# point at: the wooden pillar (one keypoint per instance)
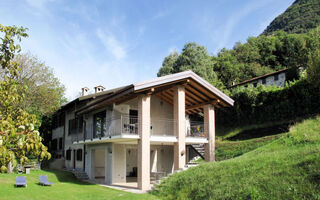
(179, 127)
(209, 128)
(144, 142)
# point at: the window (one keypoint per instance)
(60, 143)
(72, 126)
(68, 152)
(79, 155)
(133, 116)
(54, 144)
(80, 123)
(76, 125)
(99, 121)
(276, 77)
(264, 81)
(58, 120)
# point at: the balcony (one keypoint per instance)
(196, 129)
(124, 125)
(127, 126)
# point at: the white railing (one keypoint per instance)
(128, 125)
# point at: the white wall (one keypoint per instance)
(161, 115)
(91, 161)
(131, 159)
(271, 81)
(99, 163)
(119, 163)
(164, 159)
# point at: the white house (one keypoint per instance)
(277, 78)
(136, 132)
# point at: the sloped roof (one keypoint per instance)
(259, 77)
(198, 92)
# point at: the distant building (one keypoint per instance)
(277, 78)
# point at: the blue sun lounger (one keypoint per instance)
(43, 180)
(21, 181)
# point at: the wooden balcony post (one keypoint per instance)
(210, 132)
(179, 127)
(144, 142)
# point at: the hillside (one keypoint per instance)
(300, 17)
(287, 168)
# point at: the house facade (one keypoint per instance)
(137, 132)
(277, 78)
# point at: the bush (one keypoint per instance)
(270, 104)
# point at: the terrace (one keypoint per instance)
(126, 127)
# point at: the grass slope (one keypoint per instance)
(231, 149)
(65, 187)
(287, 168)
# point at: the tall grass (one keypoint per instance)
(287, 168)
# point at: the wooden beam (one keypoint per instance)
(195, 92)
(150, 91)
(124, 99)
(213, 102)
(190, 99)
(164, 98)
(163, 93)
(194, 97)
(206, 92)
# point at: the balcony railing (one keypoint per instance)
(123, 125)
(128, 125)
(196, 130)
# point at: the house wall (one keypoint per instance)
(67, 139)
(99, 155)
(57, 132)
(164, 159)
(69, 164)
(270, 80)
(119, 163)
(58, 162)
(131, 159)
(99, 163)
(161, 115)
(161, 158)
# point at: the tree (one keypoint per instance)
(313, 69)
(168, 64)
(193, 57)
(19, 138)
(45, 93)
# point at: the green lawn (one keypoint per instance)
(65, 187)
(231, 149)
(286, 168)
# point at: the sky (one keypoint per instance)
(117, 42)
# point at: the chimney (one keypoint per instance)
(85, 91)
(98, 89)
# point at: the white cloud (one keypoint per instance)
(234, 19)
(112, 45)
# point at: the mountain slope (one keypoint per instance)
(288, 168)
(300, 17)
